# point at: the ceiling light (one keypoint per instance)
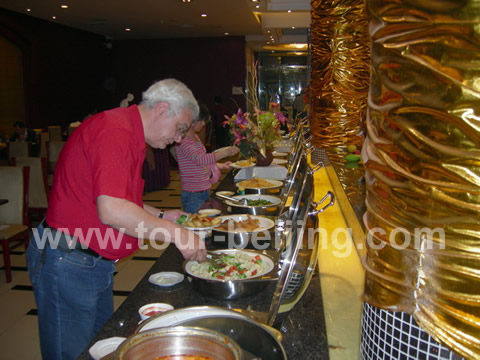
(204, 15)
(257, 6)
(289, 11)
(28, 10)
(293, 27)
(64, 6)
(128, 29)
(54, 17)
(254, 0)
(227, 33)
(186, 1)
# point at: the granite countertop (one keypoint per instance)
(303, 329)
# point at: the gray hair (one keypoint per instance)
(173, 92)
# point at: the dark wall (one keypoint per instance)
(209, 66)
(64, 69)
(69, 72)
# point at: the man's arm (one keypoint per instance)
(124, 214)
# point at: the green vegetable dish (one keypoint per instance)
(259, 202)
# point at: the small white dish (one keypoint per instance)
(104, 347)
(166, 278)
(149, 310)
(225, 193)
(278, 161)
(209, 212)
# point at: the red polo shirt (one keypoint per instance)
(103, 156)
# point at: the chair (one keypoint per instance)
(38, 185)
(15, 226)
(44, 137)
(55, 133)
(18, 148)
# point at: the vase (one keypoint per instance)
(264, 160)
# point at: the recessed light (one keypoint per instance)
(64, 6)
(204, 15)
(257, 6)
(227, 33)
(28, 10)
(293, 27)
(254, 0)
(289, 11)
(186, 1)
(54, 17)
(128, 29)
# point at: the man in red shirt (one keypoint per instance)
(96, 215)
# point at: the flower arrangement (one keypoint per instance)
(257, 132)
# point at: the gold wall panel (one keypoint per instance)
(422, 160)
(340, 72)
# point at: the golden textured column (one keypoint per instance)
(340, 72)
(422, 160)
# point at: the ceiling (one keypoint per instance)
(262, 22)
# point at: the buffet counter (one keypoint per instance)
(303, 328)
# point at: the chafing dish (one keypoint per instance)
(259, 339)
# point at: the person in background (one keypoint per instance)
(299, 104)
(22, 133)
(125, 102)
(219, 111)
(199, 169)
(97, 216)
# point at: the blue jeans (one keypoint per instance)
(192, 201)
(74, 297)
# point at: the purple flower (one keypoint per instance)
(280, 117)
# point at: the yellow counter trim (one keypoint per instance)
(341, 271)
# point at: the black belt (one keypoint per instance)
(64, 246)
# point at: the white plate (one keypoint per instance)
(265, 223)
(276, 153)
(225, 193)
(104, 347)
(209, 212)
(273, 199)
(206, 228)
(223, 148)
(275, 184)
(236, 166)
(279, 161)
(166, 278)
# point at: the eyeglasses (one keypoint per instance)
(182, 130)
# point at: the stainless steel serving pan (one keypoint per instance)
(260, 239)
(233, 289)
(180, 340)
(274, 189)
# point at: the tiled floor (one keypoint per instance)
(18, 320)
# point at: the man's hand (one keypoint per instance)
(190, 245)
(173, 215)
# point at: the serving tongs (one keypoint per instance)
(243, 201)
(216, 260)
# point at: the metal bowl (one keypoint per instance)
(233, 289)
(177, 341)
(270, 209)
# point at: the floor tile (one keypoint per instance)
(21, 340)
